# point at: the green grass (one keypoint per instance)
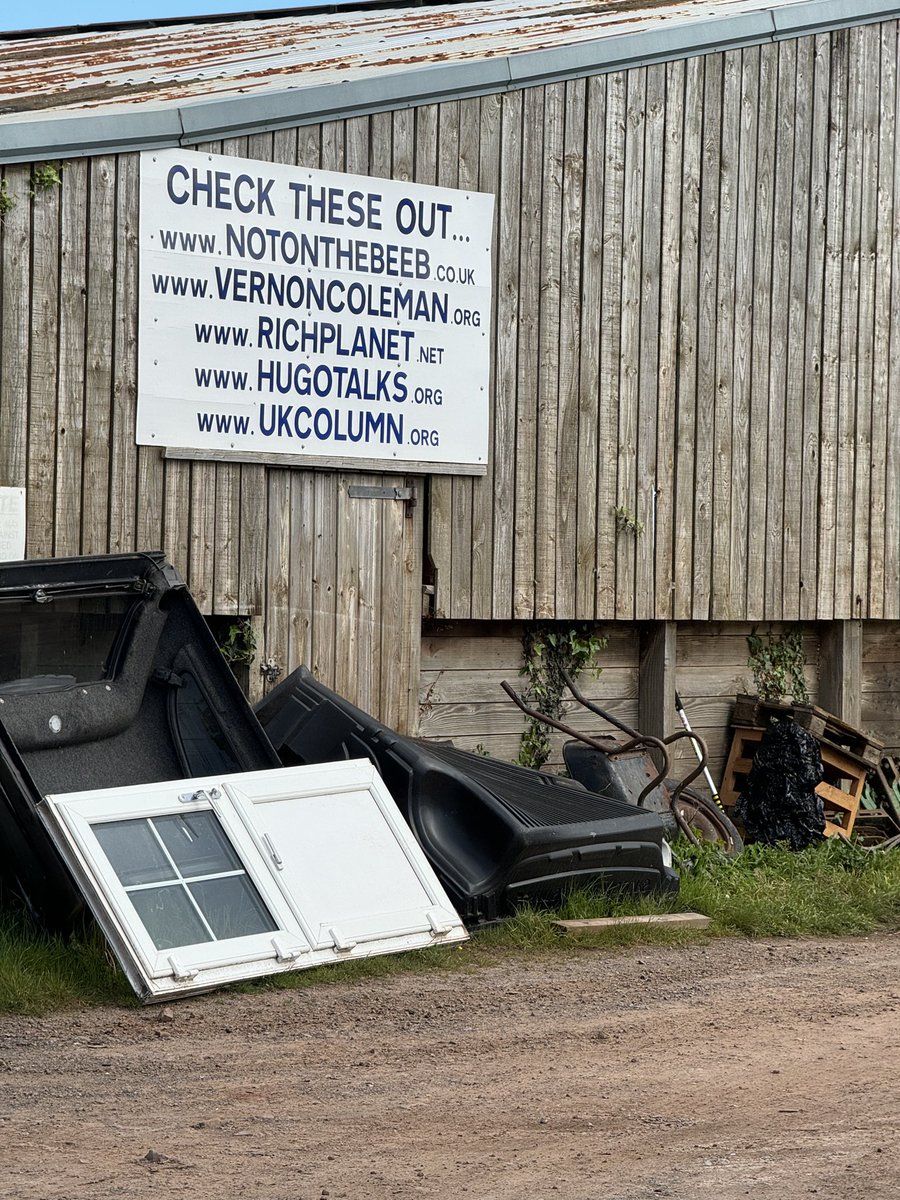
(828, 890)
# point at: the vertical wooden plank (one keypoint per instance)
(569, 496)
(15, 329)
(795, 465)
(545, 481)
(463, 547)
(686, 413)
(631, 338)
(381, 139)
(70, 373)
(177, 514)
(483, 488)
(815, 316)
(253, 549)
(588, 417)
(278, 568)
(324, 564)
(723, 605)
(844, 597)
(883, 527)
(351, 516)
(527, 374)
(410, 655)
(649, 363)
(404, 147)
(98, 358)
(44, 345)
(863, 524)
(300, 568)
(704, 440)
(122, 448)
(610, 342)
(656, 678)
(226, 561)
(443, 534)
(672, 184)
(742, 359)
(309, 146)
(831, 330)
(840, 670)
(506, 307)
(778, 346)
(892, 455)
(356, 145)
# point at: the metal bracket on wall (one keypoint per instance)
(361, 491)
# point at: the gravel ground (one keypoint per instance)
(725, 1069)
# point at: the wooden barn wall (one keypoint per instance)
(881, 681)
(697, 323)
(463, 664)
(334, 582)
(460, 697)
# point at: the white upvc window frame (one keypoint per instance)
(318, 796)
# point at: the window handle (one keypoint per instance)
(276, 857)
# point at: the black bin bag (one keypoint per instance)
(779, 802)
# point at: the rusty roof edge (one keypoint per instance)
(79, 134)
(400, 89)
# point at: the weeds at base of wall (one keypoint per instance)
(828, 890)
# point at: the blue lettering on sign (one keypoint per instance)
(326, 424)
(218, 189)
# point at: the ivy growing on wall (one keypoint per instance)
(548, 650)
(776, 660)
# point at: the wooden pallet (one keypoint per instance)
(751, 712)
(841, 789)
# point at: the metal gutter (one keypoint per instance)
(75, 135)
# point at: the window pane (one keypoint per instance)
(232, 906)
(169, 917)
(197, 843)
(54, 645)
(134, 853)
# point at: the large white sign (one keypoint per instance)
(291, 311)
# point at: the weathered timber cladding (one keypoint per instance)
(697, 323)
(695, 372)
(880, 673)
(330, 580)
(463, 664)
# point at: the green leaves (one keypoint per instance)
(777, 663)
(548, 650)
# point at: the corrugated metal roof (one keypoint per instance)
(268, 71)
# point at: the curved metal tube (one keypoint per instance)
(698, 770)
(636, 740)
(595, 708)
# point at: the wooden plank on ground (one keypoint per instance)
(685, 920)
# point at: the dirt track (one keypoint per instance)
(727, 1069)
